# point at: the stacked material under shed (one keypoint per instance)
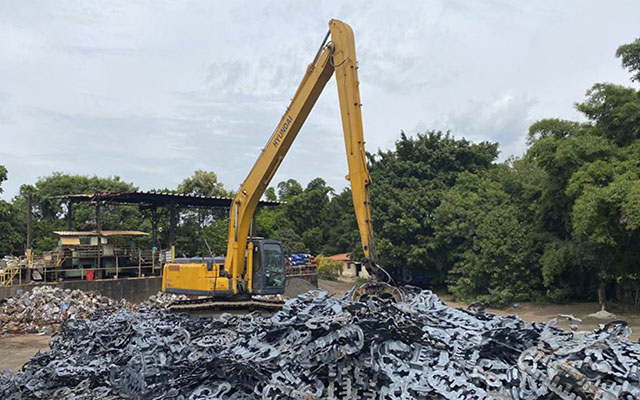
(301, 263)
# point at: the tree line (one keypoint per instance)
(559, 223)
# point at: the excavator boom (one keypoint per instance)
(337, 56)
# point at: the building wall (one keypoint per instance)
(363, 273)
(134, 290)
(348, 270)
(353, 271)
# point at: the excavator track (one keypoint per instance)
(211, 303)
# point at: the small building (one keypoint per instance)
(351, 270)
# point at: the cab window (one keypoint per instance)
(273, 263)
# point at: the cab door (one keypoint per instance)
(268, 267)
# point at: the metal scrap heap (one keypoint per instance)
(45, 308)
(318, 347)
(160, 301)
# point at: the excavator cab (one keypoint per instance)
(268, 273)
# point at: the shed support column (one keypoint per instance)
(154, 226)
(98, 273)
(98, 218)
(29, 211)
(70, 215)
(172, 230)
(29, 228)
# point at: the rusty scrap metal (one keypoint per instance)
(45, 308)
(318, 347)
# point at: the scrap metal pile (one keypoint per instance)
(44, 308)
(160, 300)
(318, 347)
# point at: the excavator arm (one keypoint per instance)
(339, 56)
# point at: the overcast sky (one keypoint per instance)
(153, 90)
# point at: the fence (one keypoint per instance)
(300, 270)
(85, 263)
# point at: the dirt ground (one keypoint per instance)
(536, 313)
(336, 288)
(15, 350)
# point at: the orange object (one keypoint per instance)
(90, 275)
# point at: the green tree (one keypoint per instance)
(3, 176)
(630, 55)
(307, 213)
(10, 237)
(50, 213)
(291, 240)
(272, 223)
(288, 189)
(341, 228)
(202, 183)
(301, 222)
(589, 196)
(614, 111)
(198, 226)
(487, 239)
(270, 194)
(216, 235)
(407, 186)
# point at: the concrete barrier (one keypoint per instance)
(134, 290)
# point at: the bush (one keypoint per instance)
(329, 269)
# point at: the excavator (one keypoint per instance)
(256, 266)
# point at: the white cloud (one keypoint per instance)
(152, 90)
(503, 119)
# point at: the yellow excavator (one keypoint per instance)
(255, 266)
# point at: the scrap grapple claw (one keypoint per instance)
(379, 290)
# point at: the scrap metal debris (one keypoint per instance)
(319, 347)
(44, 308)
(161, 301)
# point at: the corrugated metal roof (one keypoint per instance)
(159, 199)
(340, 257)
(102, 233)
